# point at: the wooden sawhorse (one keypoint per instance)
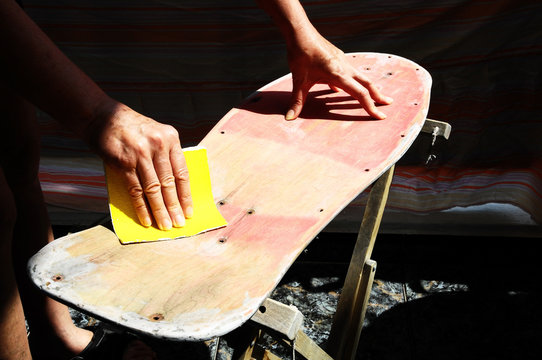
(286, 321)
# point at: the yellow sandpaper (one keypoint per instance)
(206, 215)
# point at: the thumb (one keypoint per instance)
(299, 95)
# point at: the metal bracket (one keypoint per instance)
(437, 128)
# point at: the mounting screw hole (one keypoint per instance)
(367, 170)
(58, 277)
(222, 202)
(251, 211)
(156, 317)
(223, 240)
(262, 309)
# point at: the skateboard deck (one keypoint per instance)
(277, 183)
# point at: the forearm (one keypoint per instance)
(291, 19)
(33, 65)
(147, 154)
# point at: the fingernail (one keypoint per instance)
(179, 220)
(189, 212)
(166, 224)
(290, 115)
(381, 115)
(146, 222)
(388, 99)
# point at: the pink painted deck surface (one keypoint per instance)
(278, 184)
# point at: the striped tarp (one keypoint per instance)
(188, 62)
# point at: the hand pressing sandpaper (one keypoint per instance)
(206, 215)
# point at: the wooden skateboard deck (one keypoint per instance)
(276, 182)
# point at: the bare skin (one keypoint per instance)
(313, 60)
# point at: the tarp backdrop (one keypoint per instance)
(187, 62)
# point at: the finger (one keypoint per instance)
(168, 183)
(182, 180)
(376, 95)
(334, 88)
(362, 94)
(153, 192)
(299, 95)
(138, 198)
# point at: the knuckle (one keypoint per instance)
(171, 132)
(364, 92)
(297, 101)
(174, 208)
(153, 189)
(124, 161)
(168, 182)
(335, 68)
(186, 198)
(140, 147)
(140, 207)
(157, 139)
(135, 192)
(181, 175)
(164, 136)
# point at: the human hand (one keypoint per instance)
(313, 60)
(148, 155)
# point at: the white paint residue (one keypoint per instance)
(44, 266)
(202, 324)
(210, 247)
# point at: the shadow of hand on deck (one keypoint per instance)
(320, 104)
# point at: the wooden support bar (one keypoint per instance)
(308, 348)
(284, 319)
(360, 307)
(346, 325)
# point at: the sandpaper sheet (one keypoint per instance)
(206, 215)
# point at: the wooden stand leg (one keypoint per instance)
(348, 320)
(308, 348)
